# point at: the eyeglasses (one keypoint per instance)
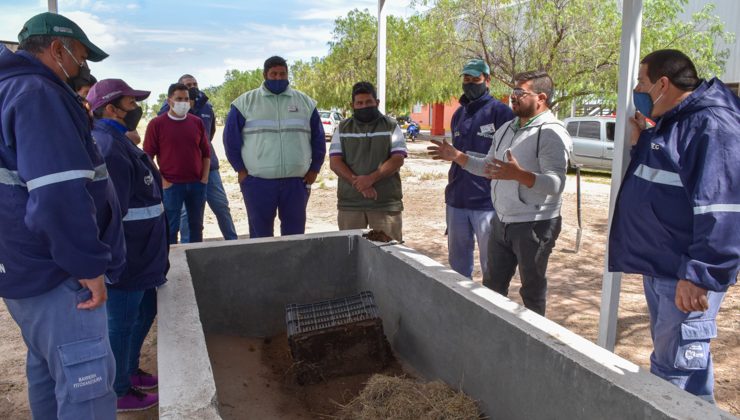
(519, 92)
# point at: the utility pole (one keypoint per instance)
(381, 55)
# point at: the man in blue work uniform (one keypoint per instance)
(132, 302)
(215, 193)
(678, 211)
(274, 139)
(468, 196)
(60, 222)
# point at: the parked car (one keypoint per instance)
(330, 120)
(593, 141)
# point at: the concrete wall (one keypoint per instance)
(517, 364)
(243, 289)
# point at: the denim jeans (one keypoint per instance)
(123, 313)
(681, 353)
(464, 227)
(219, 204)
(147, 313)
(70, 365)
(193, 195)
(527, 245)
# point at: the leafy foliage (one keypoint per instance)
(575, 41)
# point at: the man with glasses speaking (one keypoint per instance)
(526, 165)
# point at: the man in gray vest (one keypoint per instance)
(366, 152)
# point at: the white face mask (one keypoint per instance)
(181, 108)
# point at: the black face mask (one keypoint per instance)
(474, 91)
(132, 118)
(366, 115)
(82, 79)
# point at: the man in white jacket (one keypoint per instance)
(526, 164)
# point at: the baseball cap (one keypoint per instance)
(108, 90)
(475, 68)
(57, 25)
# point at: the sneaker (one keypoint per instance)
(144, 380)
(136, 400)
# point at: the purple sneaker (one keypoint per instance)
(136, 400)
(144, 380)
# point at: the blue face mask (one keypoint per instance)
(643, 102)
(277, 86)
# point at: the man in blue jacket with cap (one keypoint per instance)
(132, 302)
(62, 237)
(469, 207)
(678, 211)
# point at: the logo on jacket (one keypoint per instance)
(487, 130)
(2, 269)
(654, 146)
(457, 134)
(149, 179)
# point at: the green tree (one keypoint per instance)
(418, 68)
(575, 41)
(236, 82)
(154, 109)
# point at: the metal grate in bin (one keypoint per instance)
(302, 318)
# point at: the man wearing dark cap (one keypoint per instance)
(62, 238)
(468, 196)
(275, 140)
(132, 302)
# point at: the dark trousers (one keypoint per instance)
(283, 197)
(528, 245)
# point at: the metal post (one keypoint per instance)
(53, 6)
(381, 55)
(629, 60)
(579, 232)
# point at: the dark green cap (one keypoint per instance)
(57, 25)
(475, 68)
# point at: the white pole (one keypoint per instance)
(53, 6)
(381, 55)
(629, 62)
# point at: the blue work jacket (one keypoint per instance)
(59, 215)
(678, 209)
(138, 186)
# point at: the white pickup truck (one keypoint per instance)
(593, 141)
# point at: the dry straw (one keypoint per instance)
(389, 397)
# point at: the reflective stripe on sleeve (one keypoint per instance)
(100, 173)
(45, 180)
(712, 208)
(658, 176)
(144, 213)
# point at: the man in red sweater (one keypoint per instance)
(179, 142)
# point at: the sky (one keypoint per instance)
(152, 43)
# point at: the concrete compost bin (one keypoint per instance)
(516, 364)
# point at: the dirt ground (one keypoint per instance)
(574, 278)
(255, 379)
